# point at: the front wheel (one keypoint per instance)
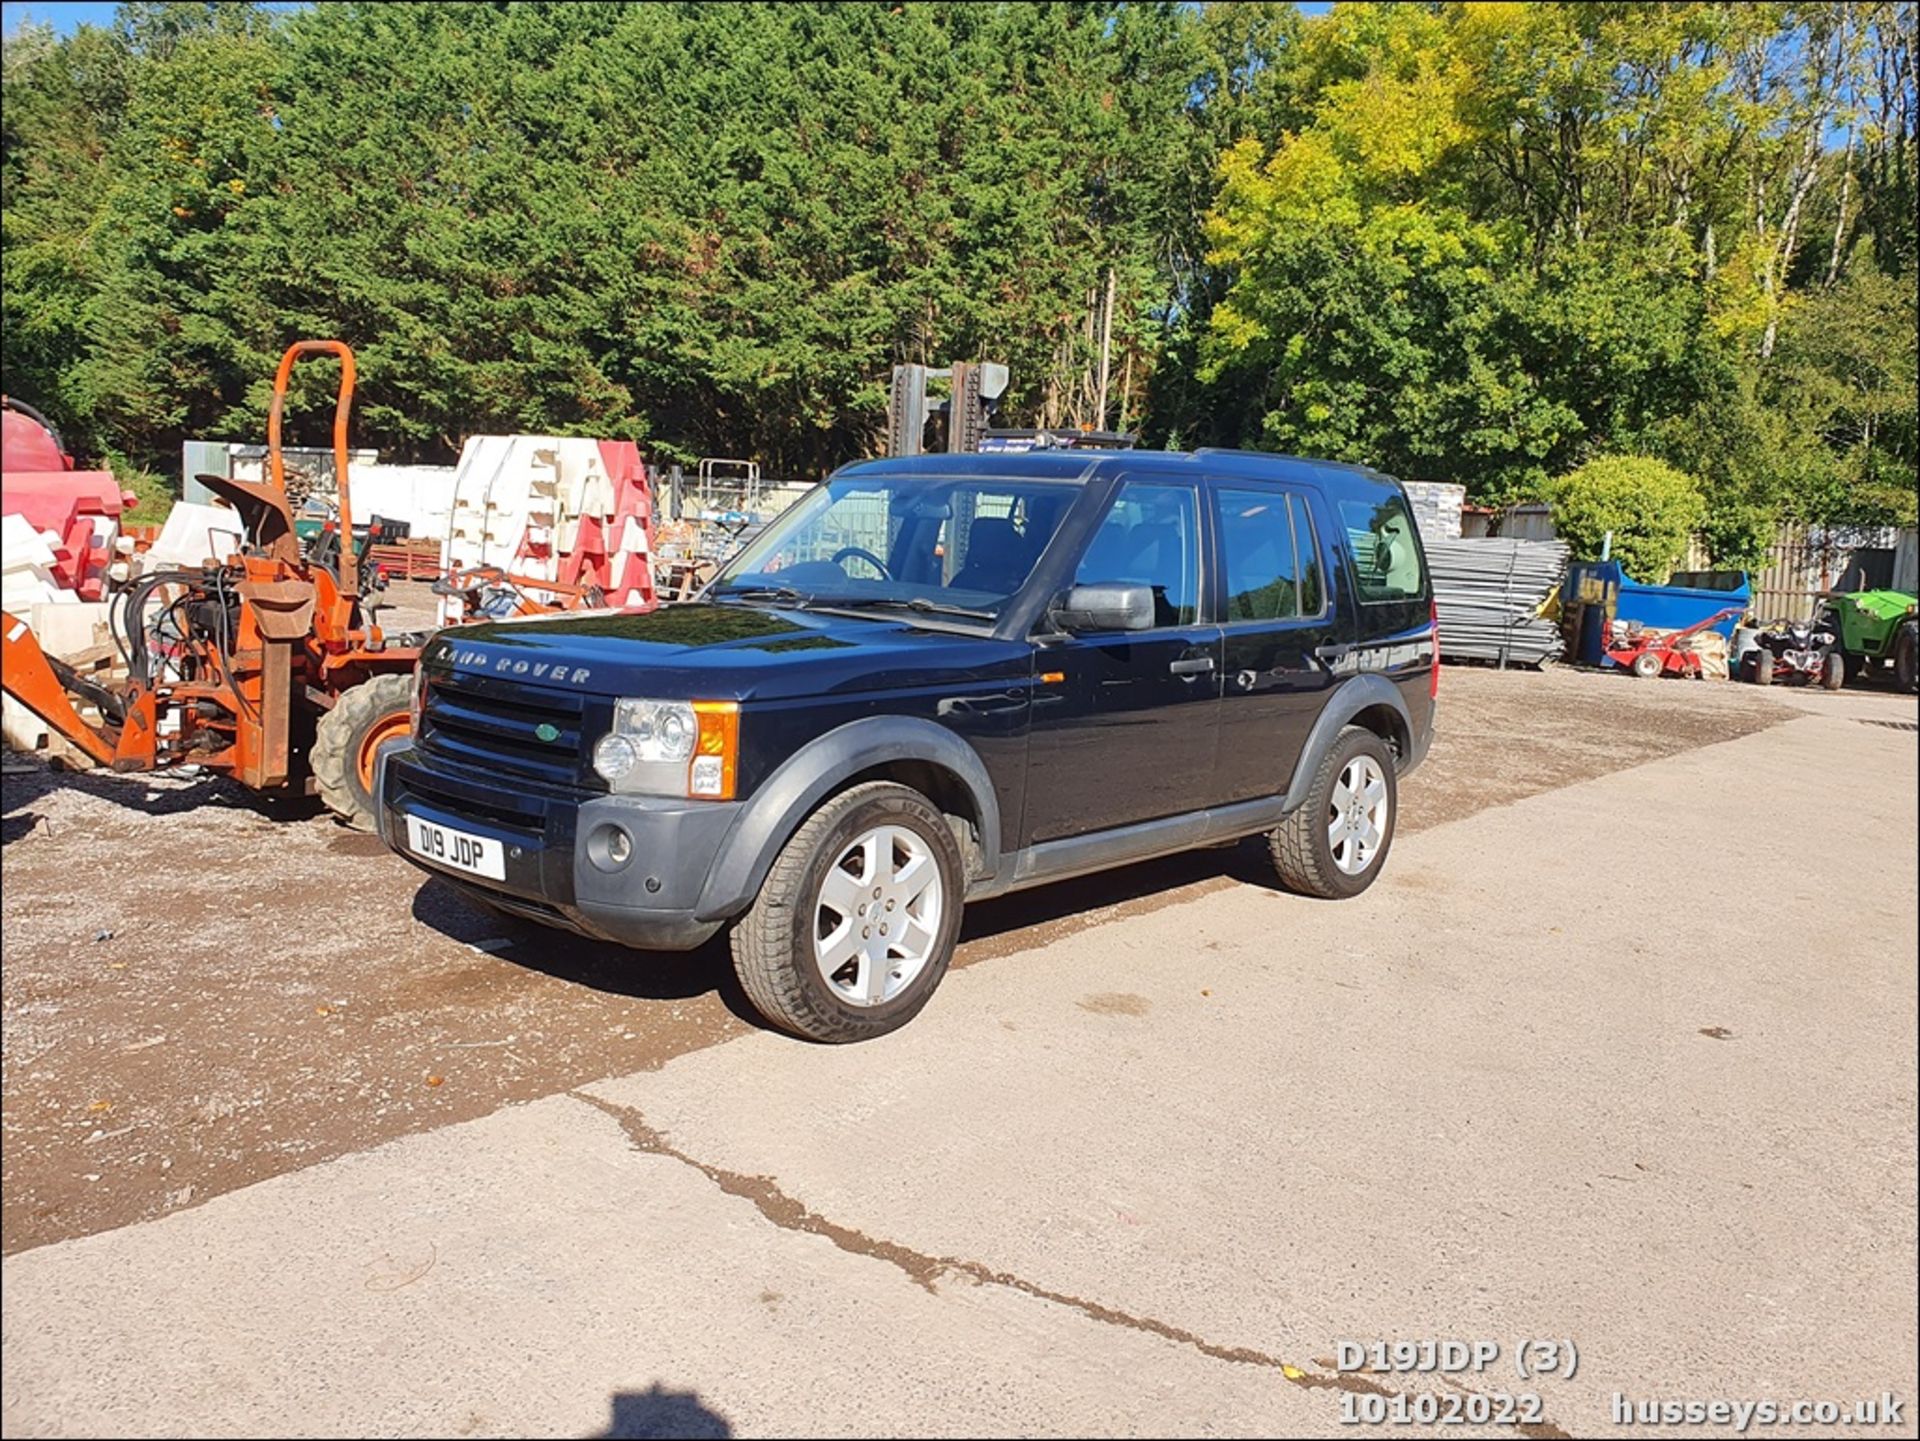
(1763, 667)
(856, 922)
(1648, 664)
(1335, 844)
(1833, 670)
(347, 741)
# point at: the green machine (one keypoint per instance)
(1875, 627)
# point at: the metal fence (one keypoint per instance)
(1802, 563)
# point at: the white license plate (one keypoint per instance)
(445, 846)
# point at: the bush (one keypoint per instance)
(157, 492)
(1650, 507)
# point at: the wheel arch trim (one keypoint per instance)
(1353, 697)
(781, 803)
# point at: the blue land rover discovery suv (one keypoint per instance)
(929, 682)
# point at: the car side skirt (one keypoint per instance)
(1080, 855)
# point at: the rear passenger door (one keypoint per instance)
(1280, 629)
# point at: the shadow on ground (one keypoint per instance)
(603, 966)
(657, 1411)
(990, 928)
(151, 794)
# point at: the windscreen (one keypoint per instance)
(966, 543)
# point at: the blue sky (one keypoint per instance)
(64, 18)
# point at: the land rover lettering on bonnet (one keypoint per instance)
(470, 659)
(930, 682)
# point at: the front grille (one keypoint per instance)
(494, 725)
(501, 808)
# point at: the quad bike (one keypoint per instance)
(1876, 628)
(262, 665)
(1794, 651)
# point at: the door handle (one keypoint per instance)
(1192, 665)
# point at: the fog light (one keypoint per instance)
(614, 757)
(609, 848)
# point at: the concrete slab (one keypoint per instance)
(1626, 1063)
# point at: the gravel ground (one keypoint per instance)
(202, 991)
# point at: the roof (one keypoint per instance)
(1086, 464)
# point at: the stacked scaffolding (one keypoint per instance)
(1491, 594)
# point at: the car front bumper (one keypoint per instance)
(558, 867)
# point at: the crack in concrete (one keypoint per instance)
(790, 1213)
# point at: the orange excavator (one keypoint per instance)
(260, 665)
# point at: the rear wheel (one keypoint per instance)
(1334, 845)
(1904, 660)
(856, 922)
(1763, 667)
(347, 741)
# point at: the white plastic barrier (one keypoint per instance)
(26, 567)
(195, 534)
(511, 490)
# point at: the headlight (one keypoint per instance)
(659, 730)
(671, 748)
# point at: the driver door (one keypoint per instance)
(1127, 733)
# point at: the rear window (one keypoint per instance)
(1386, 556)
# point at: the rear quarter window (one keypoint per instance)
(1386, 553)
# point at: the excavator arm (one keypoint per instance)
(30, 678)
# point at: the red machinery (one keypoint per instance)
(81, 507)
(260, 665)
(1648, 656)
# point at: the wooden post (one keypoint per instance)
(1106, 342)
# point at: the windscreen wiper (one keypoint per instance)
(797, 598)
(918, 603)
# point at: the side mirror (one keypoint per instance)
(1111, 605)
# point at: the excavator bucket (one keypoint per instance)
(30, 679)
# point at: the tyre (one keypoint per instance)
(1904, 659)
(349, 736)
(1336, 843)
(1833, 670)
(1648, 664)
(856, 922)
(1763, 667)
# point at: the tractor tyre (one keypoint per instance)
(1833, 670)
(349, 737)
(1763, 667)
(1904, 660)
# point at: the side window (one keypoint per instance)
(1272, 566)
(1307, 547)
(1386, 557)
(1151, 536)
